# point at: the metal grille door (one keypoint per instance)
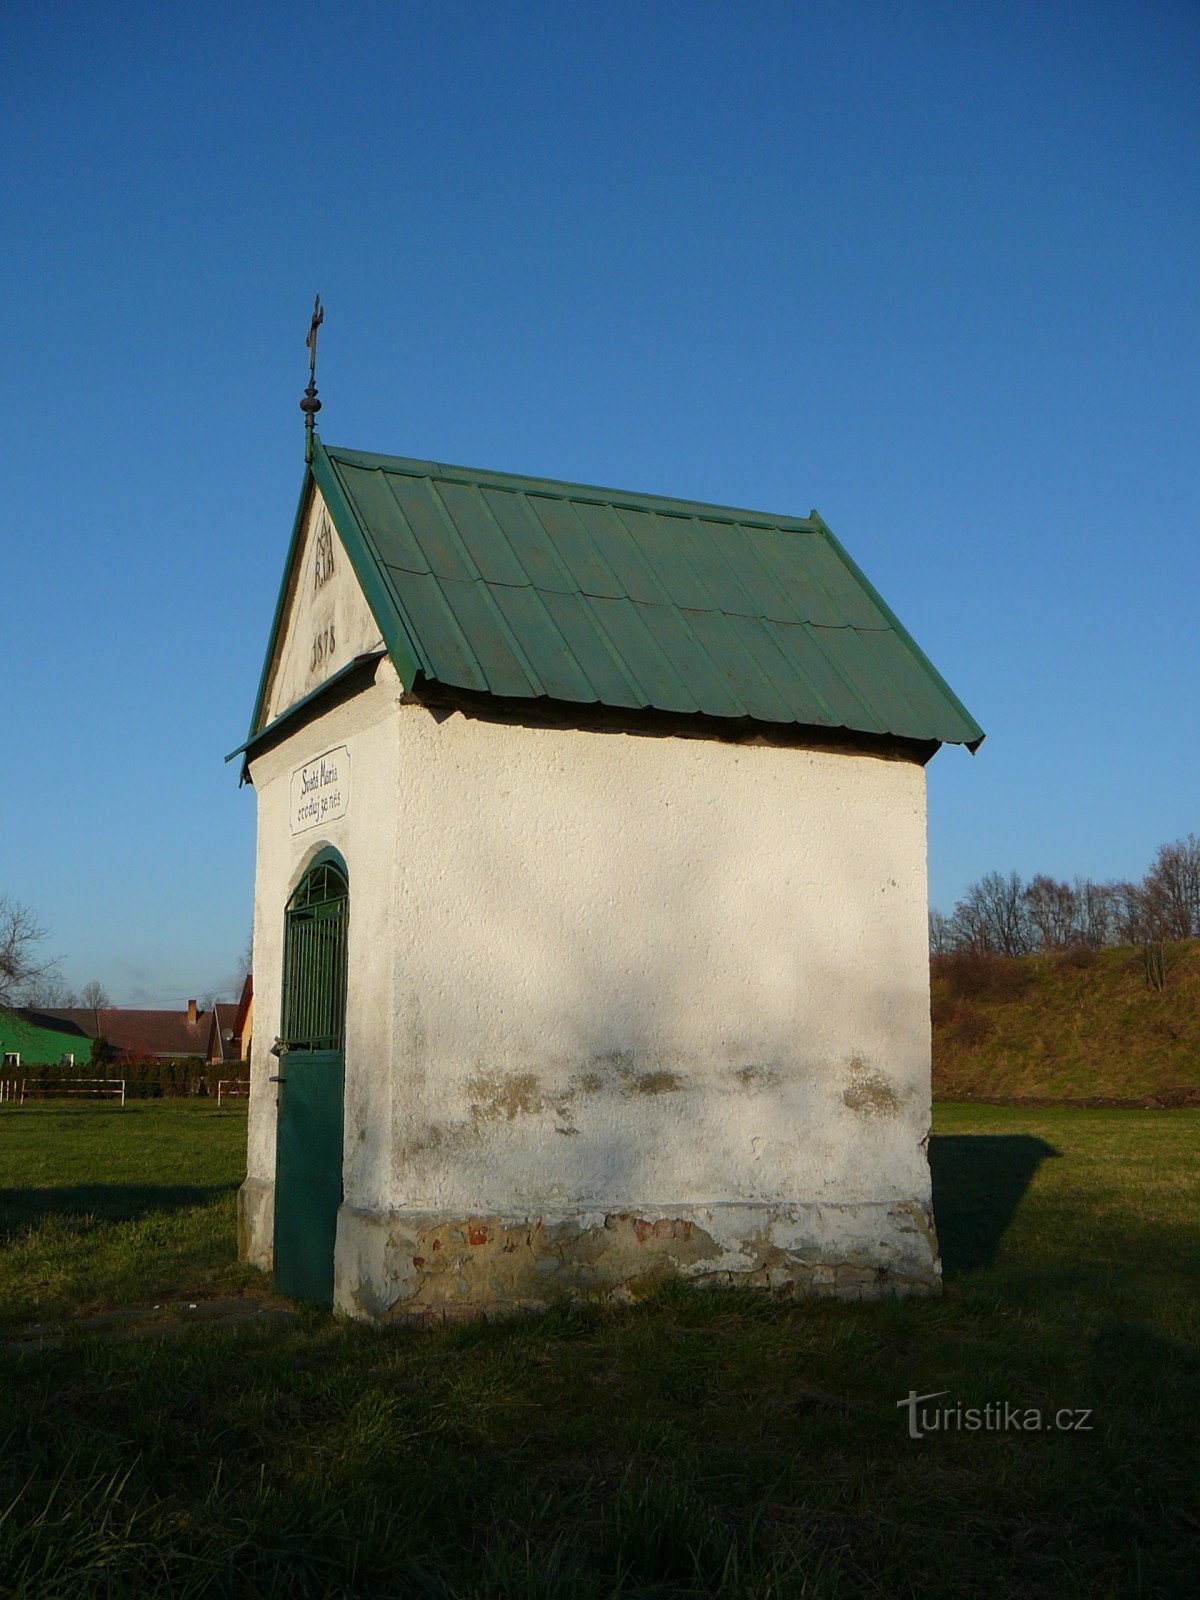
(308, 1151)
(314, 962)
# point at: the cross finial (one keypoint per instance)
(310, 405)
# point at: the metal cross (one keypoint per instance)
(310, 405)
(318, 317)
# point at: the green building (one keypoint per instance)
(29, 1039)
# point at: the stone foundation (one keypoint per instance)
(421, 1265)
(256, 1223)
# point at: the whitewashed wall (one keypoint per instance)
(609, 994)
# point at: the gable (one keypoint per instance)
(325, 621)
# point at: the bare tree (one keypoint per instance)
(941, 933)
(95, 995)
(992, 917)
(1171, 890)
(22, 967)
(1128, 911)
(50, 990)
(1096, 909)
(1053, 912)
(1000, 915)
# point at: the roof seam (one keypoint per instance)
(627, 667)
(550, 545)
(665, 604)
(564, 643)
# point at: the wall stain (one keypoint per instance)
(615, 1061)
(756, 1076)
(432, 1138)
(506, 1095)
(632, 1074)
(662, 1081)
(482, 1263)
(913, 1217)
(869, 1092)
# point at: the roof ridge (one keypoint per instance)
(414, 466)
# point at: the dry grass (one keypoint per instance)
(1080, 1025)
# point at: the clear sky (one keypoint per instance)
(931, 268)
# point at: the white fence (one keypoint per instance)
(233, 1089)
(18, 1090)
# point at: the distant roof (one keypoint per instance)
(80, 1020)
(133, 1031)
(155, 1033)
(529, 588)
(223, 1037)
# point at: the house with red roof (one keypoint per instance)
(42, 1035)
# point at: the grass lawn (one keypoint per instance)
(102, 1205)
(700, 1443)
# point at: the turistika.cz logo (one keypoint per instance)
(998, 1416)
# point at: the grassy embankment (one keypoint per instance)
(1078, 1026)
(696, 1444)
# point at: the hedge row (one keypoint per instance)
(144, 1079)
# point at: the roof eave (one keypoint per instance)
(976, 735)
(300, 707)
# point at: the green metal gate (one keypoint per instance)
(311, 1080)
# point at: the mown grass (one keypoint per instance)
(700, 1443)
(1075, 1025)
(103, 1205)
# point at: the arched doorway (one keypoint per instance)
(311, 1079)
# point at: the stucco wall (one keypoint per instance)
(635, 966)
(614, 994)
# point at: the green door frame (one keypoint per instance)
(311, 1079)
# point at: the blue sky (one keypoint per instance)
(929, 268)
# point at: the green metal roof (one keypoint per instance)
(525, 588)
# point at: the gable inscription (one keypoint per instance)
(323, 559)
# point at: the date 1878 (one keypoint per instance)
(323, 646)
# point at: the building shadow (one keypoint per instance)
(979, 1180)
(1128, 1358)
(22, 1208)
